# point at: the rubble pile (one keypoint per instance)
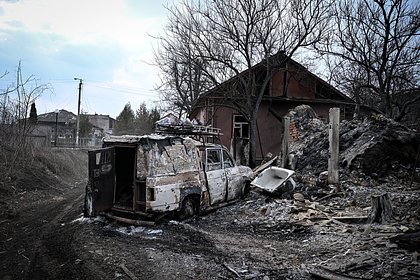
(378, 145)
(326, 238)
(312, 132)
(377, 156)
(374, 146)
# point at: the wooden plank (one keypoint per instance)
(327, 274)
(285, 143)
(333, 176)
(261, 167)
(130, 221)
(128, 272)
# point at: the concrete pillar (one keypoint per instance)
(333, 176)
(285, 142)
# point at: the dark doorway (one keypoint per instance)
(124, 176)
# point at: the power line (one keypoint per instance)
(137, 91)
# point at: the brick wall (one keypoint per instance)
(294, 133)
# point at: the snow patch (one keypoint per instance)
(86, 220)
(131, 230)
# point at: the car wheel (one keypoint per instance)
(247, 189)
(189, 208)
(88, 207)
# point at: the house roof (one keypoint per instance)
(62, 117)
(335, 95)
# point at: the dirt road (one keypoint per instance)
(43, 236)
(48, 239)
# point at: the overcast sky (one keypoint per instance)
(106, 43)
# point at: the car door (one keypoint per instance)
(235, 181)
(100, 190)
(216, 177)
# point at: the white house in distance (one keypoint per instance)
(103, 122)
(60, 126)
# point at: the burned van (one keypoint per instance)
(154, 174)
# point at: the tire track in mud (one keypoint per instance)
(57, 256)
(53, 251)
(39, 240)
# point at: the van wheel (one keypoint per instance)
(247, 189)
(88, 208)
(188, 208)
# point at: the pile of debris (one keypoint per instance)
(373, 146)
(327, 238)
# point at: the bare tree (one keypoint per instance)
(375, 52)
(227, 38)
(15, 106)
(15, 125)
(183, 77)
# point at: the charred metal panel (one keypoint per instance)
(169, 191)
(142, 164)
(216, 176)
(168, 166)
(174, 159)
(167, 198)
(192, 190)
(165, 158)
(101, 186)
(236, 183)
(216, 181)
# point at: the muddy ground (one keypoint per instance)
(43, 236)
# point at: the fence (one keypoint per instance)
(46, 141)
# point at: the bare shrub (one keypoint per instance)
(16, 151)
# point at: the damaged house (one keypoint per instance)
(291, 86)
(57, 126)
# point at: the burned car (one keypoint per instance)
(153, 174)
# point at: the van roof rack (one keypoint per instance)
(172, 125)
(202, 133)
(188, 130)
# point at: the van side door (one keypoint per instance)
(100, 190)
(235, 180)
(216, 176)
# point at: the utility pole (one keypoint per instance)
(56, 126)
(78, 110)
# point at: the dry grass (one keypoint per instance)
(40, 169)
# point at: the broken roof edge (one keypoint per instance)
(195, 130)
(133, 139)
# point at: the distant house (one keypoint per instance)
(290, 86)
(60, 126)
(102, 122)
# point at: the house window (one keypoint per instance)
(240, 127)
